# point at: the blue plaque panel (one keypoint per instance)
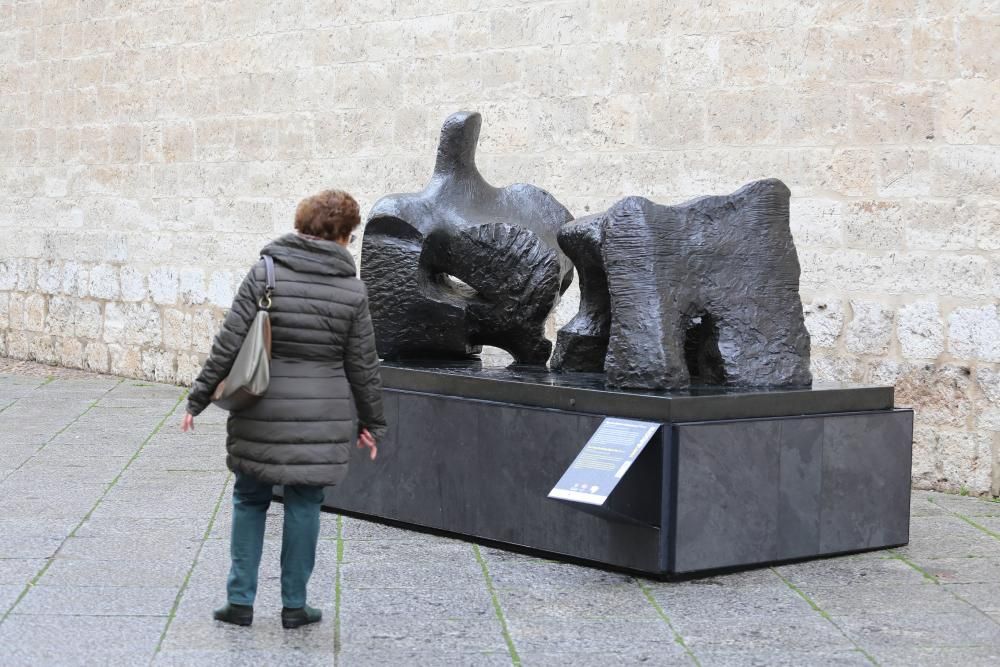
(603, 461)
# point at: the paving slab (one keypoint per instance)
(587, 636)
(351, 655)
(801, 633)
(850, 571)
(408, 633)
(983, 595)
(841, 600)
(122, 572)
(243, 657)
(97, 600)
(758, 657)
(963, 570)
(19, 571)
(876, 629)
(605, 602)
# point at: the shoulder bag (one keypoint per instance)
(251, 373)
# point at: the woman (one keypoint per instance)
(298, 435)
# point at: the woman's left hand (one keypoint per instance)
(188, 422)
(365, 439)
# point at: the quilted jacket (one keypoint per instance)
(322, 355)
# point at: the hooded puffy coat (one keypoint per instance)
(322, 353)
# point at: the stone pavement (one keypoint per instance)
(113, 550)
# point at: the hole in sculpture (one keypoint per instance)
(701, 351)
(458, 286)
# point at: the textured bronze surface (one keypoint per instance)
(705, 292)
(463, 264)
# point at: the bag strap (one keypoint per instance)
(265, 300)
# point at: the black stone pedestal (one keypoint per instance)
(733, 478)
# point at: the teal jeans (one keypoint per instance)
(300, 532)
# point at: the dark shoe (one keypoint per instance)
(237, 614)
(294, 618)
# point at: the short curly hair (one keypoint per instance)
(330, 215)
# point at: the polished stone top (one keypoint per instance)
(588, 393)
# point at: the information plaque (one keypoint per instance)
(603, 461)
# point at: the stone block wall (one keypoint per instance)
(148, 149)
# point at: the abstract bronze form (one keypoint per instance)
(463, 264)
(705, 292)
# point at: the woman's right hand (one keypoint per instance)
(365, 439)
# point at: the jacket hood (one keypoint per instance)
(311, 255)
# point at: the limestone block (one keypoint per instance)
(988, 380)
(59, 320)
(988, 419)
(870, 329)
(4, 310)
(8, 274)
(220, 288)
(671, 120)
(125, 141)
(15, 311)
(215, 139)
(125, 360)
(163, 285)
(920, 330)
(18, 344)
(95, 357)
(176, 329)
(142, 324)
(960, 275)
(816, 222)
(869, 52)
(114, 323)
(925, 458)
(159, 365)
(204, 325)
(816, 114)
(104, 282)
(964, 459)
(900, 114)
(43, 350)
(835, 368)
(50, 276)
(922, 272)
(977, 37)
(34, 312)
(933, 48)
(26, 275)
(937, 225)
(873, 224)
(188, 367)
(904, 172)
(744, 118)
(988, 236)
(941, 394)
(968, 114)
(100, 246)
(192, 286)
(75, 279)
(965, 171)
(824, 318)
(849, 172)
(974, 333)
(133, 284)
(87, 319)
(70, 352)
